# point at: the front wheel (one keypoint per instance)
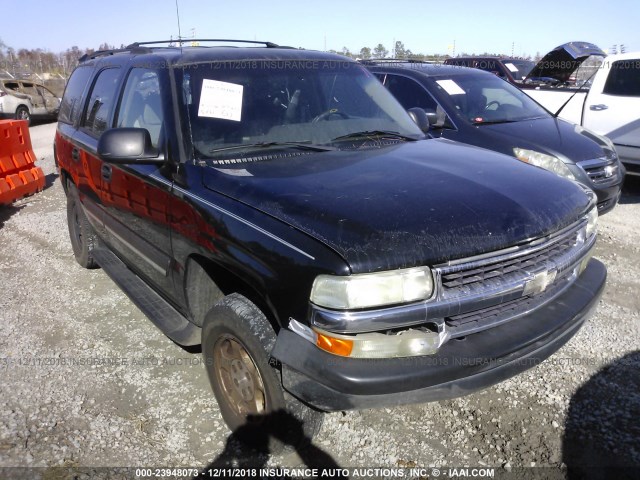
(236, 341)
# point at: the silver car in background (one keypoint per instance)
(24, 99)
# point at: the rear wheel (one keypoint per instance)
(83, 238)
(236, 341)
(22, 113)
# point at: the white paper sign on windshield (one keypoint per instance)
(220, 100)
(451, 87)
(511, 67)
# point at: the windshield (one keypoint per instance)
(484, 99)
(519, 68)
(265, 103)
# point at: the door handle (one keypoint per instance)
(598, 107)
(75, 154)
(106, 172)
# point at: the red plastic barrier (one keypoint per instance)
(18, 174)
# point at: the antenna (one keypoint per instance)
(179, 33)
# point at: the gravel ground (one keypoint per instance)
(140, 400)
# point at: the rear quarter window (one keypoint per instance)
(71, 105)
(624, 79)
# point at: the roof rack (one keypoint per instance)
(187, 40)
(141, 46)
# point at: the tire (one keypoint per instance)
(22, 113)
(83, 238)
(236, 341)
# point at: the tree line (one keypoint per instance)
(27, 61)
(402, 52)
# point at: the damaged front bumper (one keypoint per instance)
(461, 366)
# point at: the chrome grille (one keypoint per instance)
(481, 292)
(600, 170)
(466, 277)
(494, 315)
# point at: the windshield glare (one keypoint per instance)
(519, 68)
(487, 99)
(257, 102)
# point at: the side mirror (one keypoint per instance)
(432, 116)
(128, 145)
(420, 118)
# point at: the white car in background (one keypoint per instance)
(24, 99)
(607, 101)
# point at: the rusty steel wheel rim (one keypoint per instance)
(238, 377)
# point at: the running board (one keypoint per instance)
(159, 311)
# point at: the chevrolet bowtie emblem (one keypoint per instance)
(539, 282)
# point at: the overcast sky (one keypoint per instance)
(425, 26)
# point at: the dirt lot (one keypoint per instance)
(140, 400)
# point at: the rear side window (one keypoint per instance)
(29, 89)
(624, 79)
(101, 101)
(71, 105)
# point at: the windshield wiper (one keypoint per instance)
(493, 122)
(375, 133)
(304, 145)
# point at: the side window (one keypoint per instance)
(624, 79)
(101, 101)
(141, 105)
(28, 88)
(410, 93)
(490, 65)
(71, 105)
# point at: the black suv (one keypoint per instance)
(513, 70)
(475, 107)
(280, 207)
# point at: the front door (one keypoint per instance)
(37, 102)
(137, 197)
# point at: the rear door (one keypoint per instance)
(69, 153)
(95, 119)
(613, 104)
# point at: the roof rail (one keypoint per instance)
(393, 60)
(101, 53)
(187, 40)
(140, 46)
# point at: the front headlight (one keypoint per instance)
(548, 162)
(407, 343)
(372, 289)
(592, 221)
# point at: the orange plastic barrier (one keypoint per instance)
(18, 174)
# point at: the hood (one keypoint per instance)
(548, 135)
(562, 61)
(410, 204)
